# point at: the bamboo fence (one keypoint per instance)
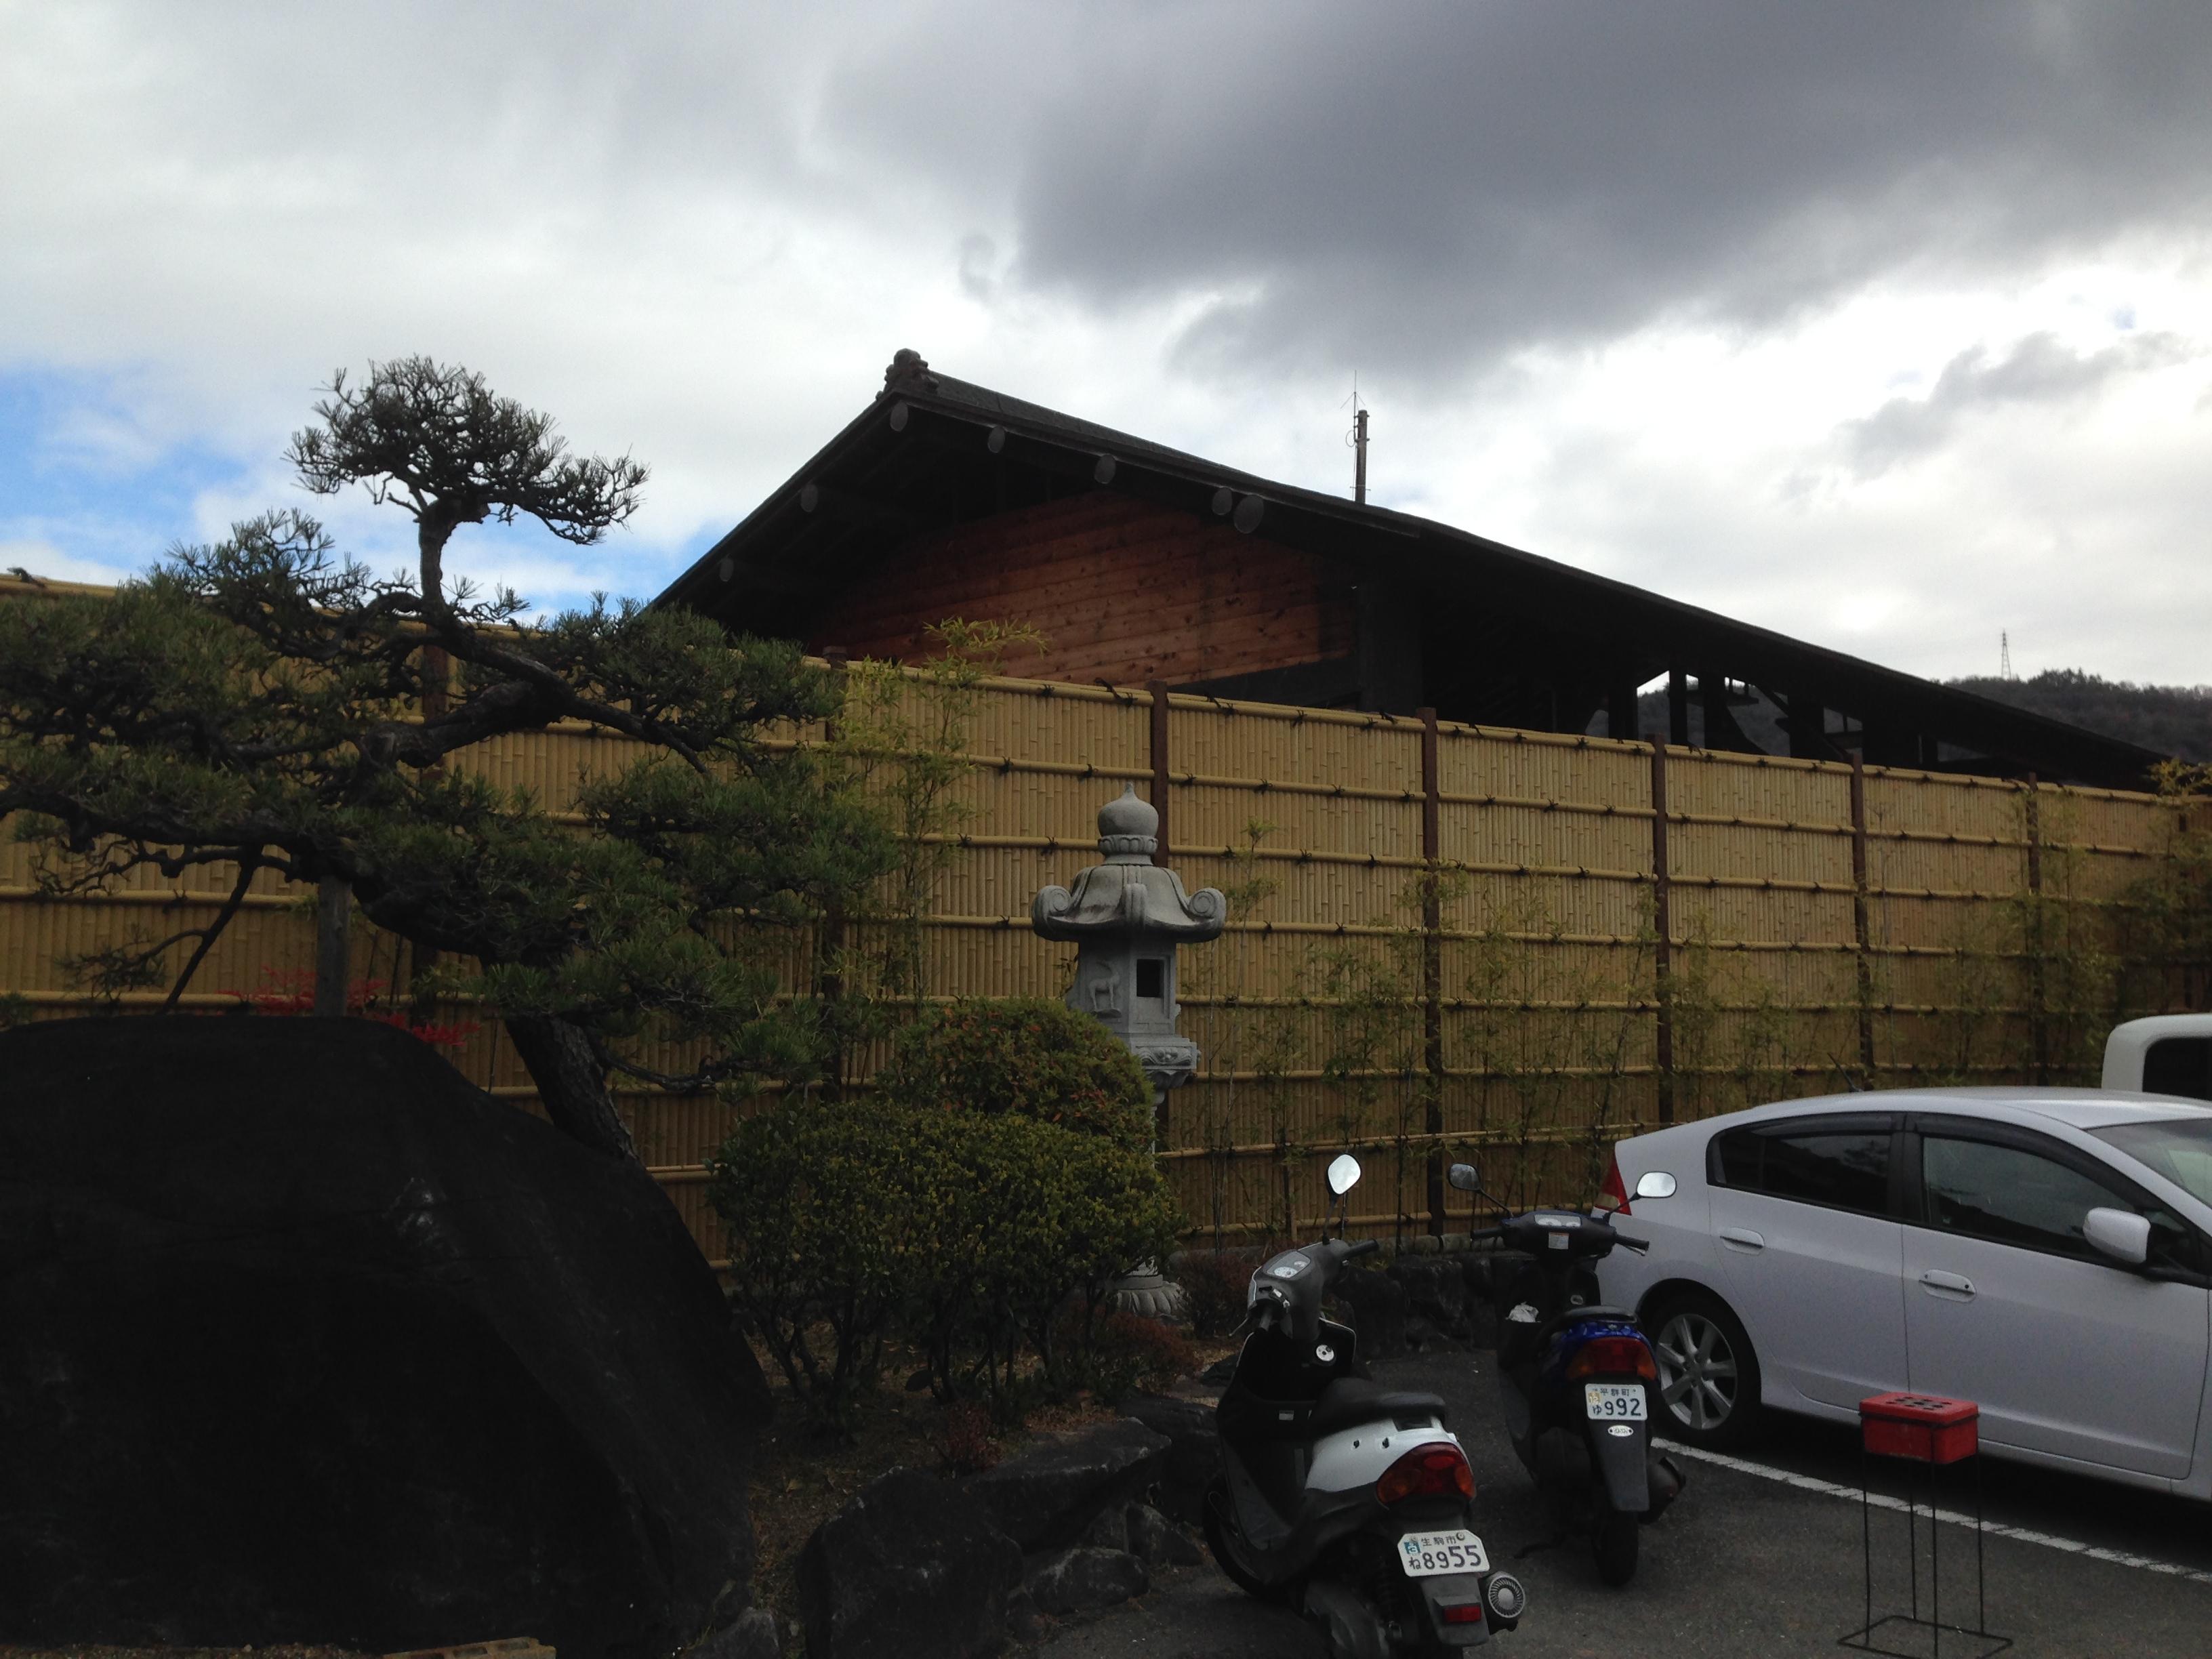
(1444, 941)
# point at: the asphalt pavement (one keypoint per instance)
(1760, 1557)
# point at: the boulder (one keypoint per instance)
(305, 1339)
(754, 1635)
(1377, 1303)
(913, 1568)
(1194, 1452)
(1437, 1299)
(1023, 1622)
(1084, 1579)
(1157, 1541)
(1047, 1497)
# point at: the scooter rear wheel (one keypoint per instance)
(1222, 1539)
(1614, 1545)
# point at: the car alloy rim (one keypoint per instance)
(1697, 1371)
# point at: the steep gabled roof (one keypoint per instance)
(931, 451)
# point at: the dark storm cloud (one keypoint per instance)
(1431, 188)
(2037, 370)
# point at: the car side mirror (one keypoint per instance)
(1655, 1184)
(2120, 1234)
(1465, 1177)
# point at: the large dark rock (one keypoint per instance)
(1194, 1453)
(911, 1569)
(304, 1338)
(1084, 1579)
(753, 1636)
(1046, 1498)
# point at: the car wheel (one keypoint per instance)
(1708, 1374)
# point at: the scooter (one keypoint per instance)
(1578, 1379)
(1348, 1500)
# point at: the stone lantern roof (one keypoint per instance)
(1129, 895)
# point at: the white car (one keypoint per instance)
(2044, 1253)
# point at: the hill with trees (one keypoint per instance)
(2175, 720)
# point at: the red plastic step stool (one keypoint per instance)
(1922, 1429)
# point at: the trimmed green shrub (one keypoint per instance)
(822, 1207)
(1025, 1055)
(968, 1234)
(1033, 1219)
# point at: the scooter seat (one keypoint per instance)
(1351, 1401)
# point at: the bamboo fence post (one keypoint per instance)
(1432, 962)
(1159, 758)
(1663, 941)
(2038, 987)
(1861, 917)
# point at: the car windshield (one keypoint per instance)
(2181, 1149)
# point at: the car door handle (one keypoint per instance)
(1948, 1285)
(1742, 1237)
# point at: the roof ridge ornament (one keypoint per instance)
(909, 371)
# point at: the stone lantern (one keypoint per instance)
(1127, 916)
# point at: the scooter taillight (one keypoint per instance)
(1437, 1470)
(1613, 1356)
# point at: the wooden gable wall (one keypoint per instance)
(1123, 591)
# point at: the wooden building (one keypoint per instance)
(1141, 564)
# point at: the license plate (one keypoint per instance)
(1427, 1555)
(1614, 1402)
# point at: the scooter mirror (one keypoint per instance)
(1655, 1184)
(1343, 1174)
(1465, 1177)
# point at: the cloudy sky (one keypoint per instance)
(1888, 324)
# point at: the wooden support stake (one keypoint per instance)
(1861, 918)
(333, 945)
(1663, 944)
(1433, 962)
(1160, 763)
(421, 958)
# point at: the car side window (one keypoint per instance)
(2013, 1196)
(2179, 1066)
(1844, 1170)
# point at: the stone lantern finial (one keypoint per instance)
(1128, 828)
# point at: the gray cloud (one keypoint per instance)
(1573, 249)
(2039, 369)
(1431, 188)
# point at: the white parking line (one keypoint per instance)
(1993, 1528)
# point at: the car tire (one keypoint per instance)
(1708, 1373)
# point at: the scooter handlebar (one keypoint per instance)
(1365, 1247)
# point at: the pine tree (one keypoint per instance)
(269, 704)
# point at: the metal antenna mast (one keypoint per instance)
(1358, 439)
(2004, 654)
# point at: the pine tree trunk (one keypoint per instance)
(570, 1083)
